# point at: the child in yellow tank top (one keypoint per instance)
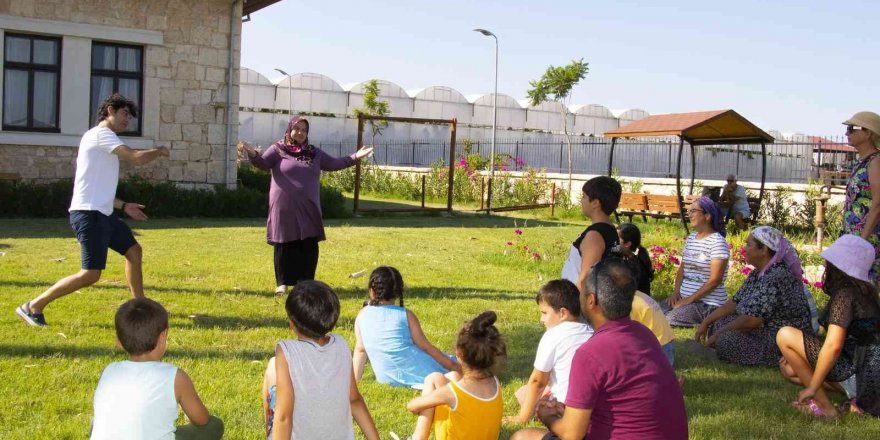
(466, 405)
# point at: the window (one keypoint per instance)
(31, 82)
(117, 68)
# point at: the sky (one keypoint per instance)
(794, 66)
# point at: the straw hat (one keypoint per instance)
(869, 120)
(853, 255)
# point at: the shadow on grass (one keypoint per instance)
(39, 285)
(59, 228)
(51, 351)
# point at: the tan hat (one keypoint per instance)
(869, 120)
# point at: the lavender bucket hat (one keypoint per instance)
(853, 255)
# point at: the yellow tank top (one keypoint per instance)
(472, 419)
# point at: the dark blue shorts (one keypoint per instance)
(96, 233)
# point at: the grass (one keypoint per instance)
(215, 277)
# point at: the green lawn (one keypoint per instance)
(215, 277)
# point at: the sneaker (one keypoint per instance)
(281, 290)
(24, 312)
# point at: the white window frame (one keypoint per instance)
(76, 75)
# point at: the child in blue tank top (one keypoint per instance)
(392, 338)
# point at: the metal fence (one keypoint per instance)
(787, 161)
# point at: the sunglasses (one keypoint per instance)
(695, 211)
(852, 128)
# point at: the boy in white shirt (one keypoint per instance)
(559, 304)
(137, 399)
(97, 228)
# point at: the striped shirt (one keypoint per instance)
(697, 257)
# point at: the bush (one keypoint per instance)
(162, 199)
(775, 209)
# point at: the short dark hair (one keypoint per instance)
(606, 189)
(115, 101)
(481, 345)
(313, 308)
(560, 293)
(614, 286)
(139, 322)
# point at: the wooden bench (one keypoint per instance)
(12, 177)
(632, 204)
(664, 206)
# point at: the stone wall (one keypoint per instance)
(184, 102)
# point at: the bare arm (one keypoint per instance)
(538, 380)
(703, 329)
(360, 413)
(440, 396)
(189, 399)
(419, 339)
(359, 356)
(742, 323)
(592, 247)
(716, 275)
(284, 397)
(874, 211)
(675, 298)
(828, 355)
(140, 157)
(573, 424)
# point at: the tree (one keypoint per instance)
(556, 85)
(373, 107)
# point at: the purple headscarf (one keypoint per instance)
(711, 208)
(304, 152)
(785, 252)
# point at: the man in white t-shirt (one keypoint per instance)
(559, 304)
(91, 209)
(735, 202)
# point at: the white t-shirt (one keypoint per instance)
(555, 351)
(697, 257)
(742, 204)
(135, 401)
(97, 171)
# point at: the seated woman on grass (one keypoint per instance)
(743, 330)
(852, 342)
(699, 283)
(392, 338)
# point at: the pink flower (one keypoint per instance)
(819, 285)
(510, 243)
(746, 270)
(536, 256)
(805, 280)
(659, 266)
(520, 162)
(462, 163)
(674, 260)
(517, 231)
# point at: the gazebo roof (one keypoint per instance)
(698, 128)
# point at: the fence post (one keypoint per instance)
(482, 191)
(423, 191)
(552, 199)
(516, 157)
(560, 157)
(412, 159)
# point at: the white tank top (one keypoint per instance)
(136, 401)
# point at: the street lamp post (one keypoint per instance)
(289, 93)
(494, 121)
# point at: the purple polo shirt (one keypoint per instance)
(622, 375)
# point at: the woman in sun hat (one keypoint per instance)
(743, 330)
(861, 210)
(852, 343)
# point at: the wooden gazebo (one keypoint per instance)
(719, 127)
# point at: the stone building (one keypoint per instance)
(174, 58)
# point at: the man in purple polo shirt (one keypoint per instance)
(621, 386)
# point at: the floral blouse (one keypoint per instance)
(857, 205)
(777, 297)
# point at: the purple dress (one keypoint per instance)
(294, 193)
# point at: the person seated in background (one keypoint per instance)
(743, 330)
(735, 202)
(559, 304)
(138, 398)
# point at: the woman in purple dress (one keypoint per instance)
(295, 227)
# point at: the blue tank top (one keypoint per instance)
(394, 357)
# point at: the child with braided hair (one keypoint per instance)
(392, 338)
